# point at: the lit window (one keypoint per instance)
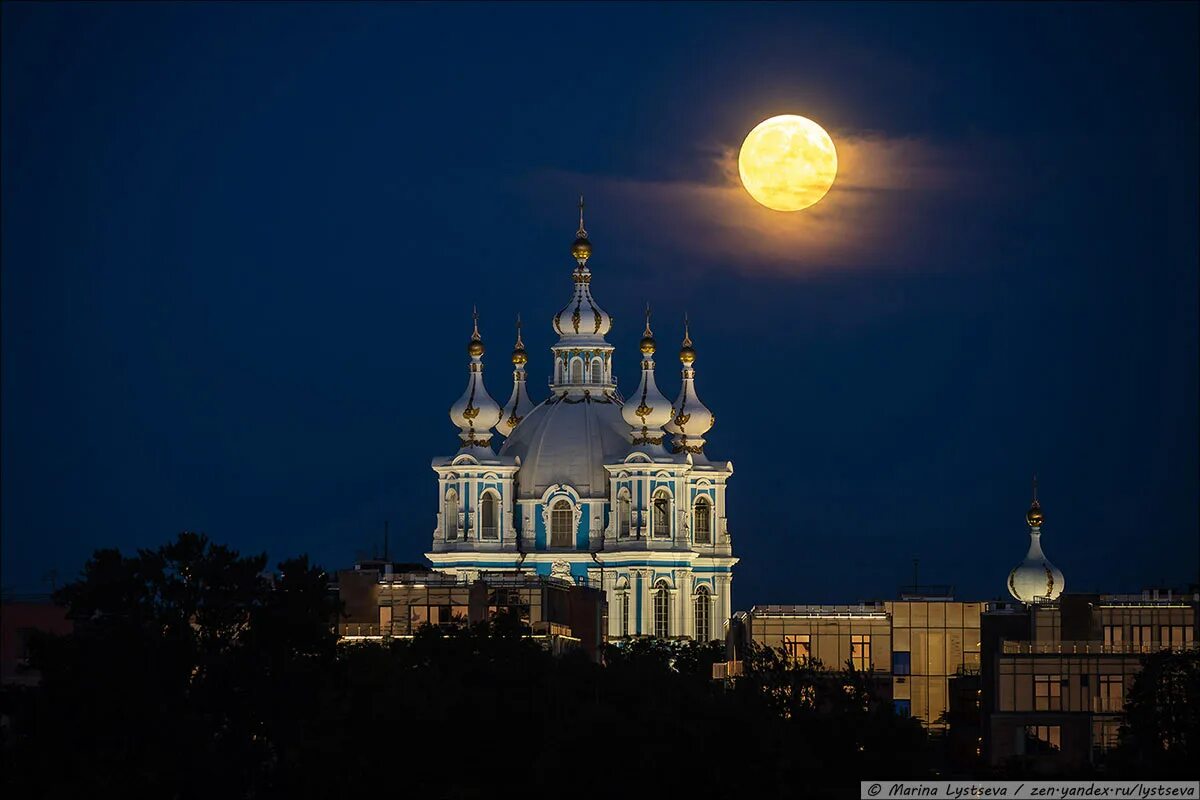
(860, 651)
(662, 514)
(450, 515)
(488, 512)
(1042, 738)
(703, 533)
(1047, 693)
(1113, 638)
(797, 646)
(1112, 693)
(561, 523)
(1140, 638)
(662, 611)
(703, 606)
(623, 514)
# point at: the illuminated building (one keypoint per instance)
(1044, 679)
(589, 488)
(915, 646)
(382, 600)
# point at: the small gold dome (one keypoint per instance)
(648, 345)
(519, 357)
(687, 355)
(1034, 515)
(581, 250)
(475, 348)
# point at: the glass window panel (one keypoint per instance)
(937, 615)
(937, 652)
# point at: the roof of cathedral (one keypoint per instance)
(568, 440)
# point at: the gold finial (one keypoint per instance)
(687, 354)
(581, 250)
(475, 348)
(519, 357)
(1034, 516)
(648, 335)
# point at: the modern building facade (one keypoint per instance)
(914, 646)
(1041, 678)
(382, 601)
(590, 487)
(1059, 672)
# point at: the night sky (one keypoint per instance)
(241, 244)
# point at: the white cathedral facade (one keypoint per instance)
(588, 486)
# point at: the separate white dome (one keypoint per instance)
(1035, 579)
(568, 440)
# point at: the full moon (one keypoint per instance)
(787, 162)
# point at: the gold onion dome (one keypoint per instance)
(518, 355)
(687, 354)
(475, 347)
(648, 335)
(1034, 516)
(581, 248)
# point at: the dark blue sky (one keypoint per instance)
(241, 244)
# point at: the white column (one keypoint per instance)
(688, 587)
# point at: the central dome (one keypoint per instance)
(568, 440)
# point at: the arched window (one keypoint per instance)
(662, 611)
(577, 370)
(450, 515)
(703, 613)
(561, 523)
(661, 521)
(489, 511)
(624, 514)
(558, 370)
(597, 371)
(702, 529)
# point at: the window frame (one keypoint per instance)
(450, 527)
(703, 601)
(656, 513)
(565, 507)
(489, 499)
(702, 502)
(661, 610)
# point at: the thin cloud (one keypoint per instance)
(892, 205)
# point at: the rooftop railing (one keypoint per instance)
(1091, 648)
(876, 610)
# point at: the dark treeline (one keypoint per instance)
(191, 674)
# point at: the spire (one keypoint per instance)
(690, 418)
(1034, 516)
(581, 250)
(518, 404)
(475, 413)
(582, 356)
(652, 411)
(1035, 579)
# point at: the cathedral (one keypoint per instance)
(588, 487)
